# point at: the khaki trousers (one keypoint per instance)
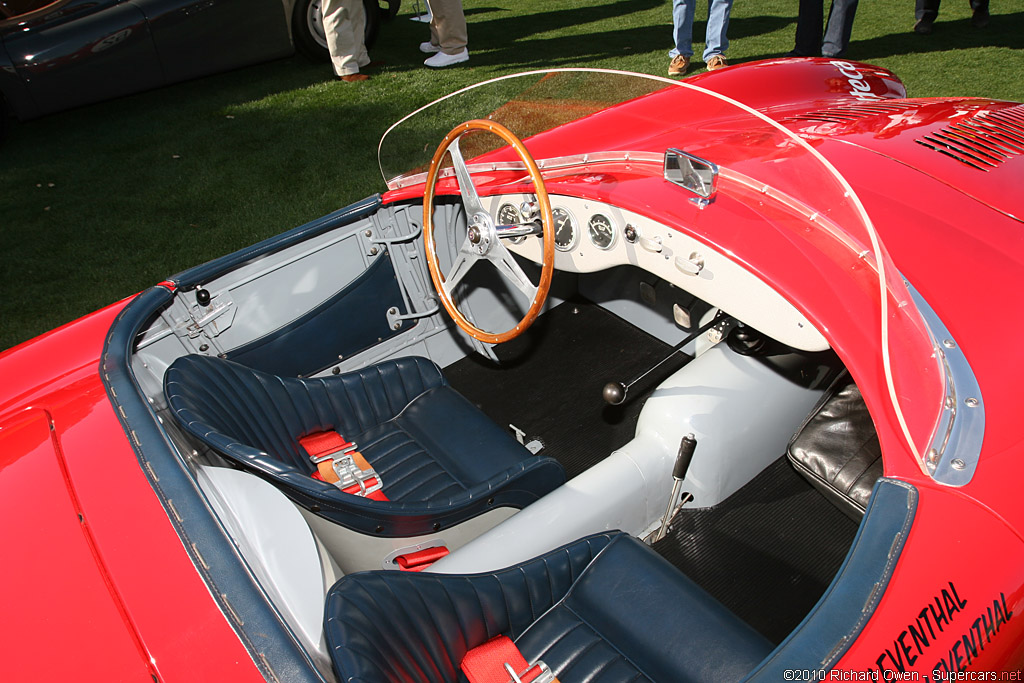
(448, 26)
(345, 25)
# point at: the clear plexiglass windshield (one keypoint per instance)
(761, 154)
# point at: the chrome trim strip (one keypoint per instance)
(955, 449)
(552, 164)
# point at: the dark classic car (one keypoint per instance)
(57, 54)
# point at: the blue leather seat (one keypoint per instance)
(440, 459)
(605, 608)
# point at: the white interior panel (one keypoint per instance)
(740, 411)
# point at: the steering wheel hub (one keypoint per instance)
(481, 234)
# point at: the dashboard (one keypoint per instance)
(591, 236)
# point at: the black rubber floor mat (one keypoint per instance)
(767, 553)
(548, 382)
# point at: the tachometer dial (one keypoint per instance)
(602, 231)
(565, 229)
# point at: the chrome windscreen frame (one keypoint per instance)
(954, 451)
(552, 164)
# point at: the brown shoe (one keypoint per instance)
(353, 78)
(716, 62)
(678, 65)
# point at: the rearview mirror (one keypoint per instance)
(691, 173)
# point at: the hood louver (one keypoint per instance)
(848, 113)
(983, 141)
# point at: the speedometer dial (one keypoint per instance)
(565, 229)
(602, 231)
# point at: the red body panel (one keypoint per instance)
(958, 586)
(108, 588)
(112, 588)
(53, 584)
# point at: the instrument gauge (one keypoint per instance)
(601, 230)
(565, 229)
(508, 214)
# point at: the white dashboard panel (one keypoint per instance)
(674, 257)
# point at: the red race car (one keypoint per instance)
(621, 379)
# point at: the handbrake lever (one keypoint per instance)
(687, 445)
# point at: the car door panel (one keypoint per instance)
(16, 99)
(82, 52)
(198, 37)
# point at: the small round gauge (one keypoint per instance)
(565, 229)
(602, 231)
(508, 214)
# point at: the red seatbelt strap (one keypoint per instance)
(321, 444)
(421, 559)
(499, 661)
(330, 451)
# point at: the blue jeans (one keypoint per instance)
(809, 42)
(682, 27)
(930, 8)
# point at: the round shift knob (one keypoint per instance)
(614, 393)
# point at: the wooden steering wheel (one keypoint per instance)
(483, 237)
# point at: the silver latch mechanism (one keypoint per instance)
(545, 675)
(198, 322)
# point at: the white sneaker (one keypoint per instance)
(429, 48)
(441, 59)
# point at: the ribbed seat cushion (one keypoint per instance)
(837, 450)
(441, 460)
(603, 609)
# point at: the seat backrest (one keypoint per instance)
(837, 449)
(246, 414)
(655, 618)
(604, 603)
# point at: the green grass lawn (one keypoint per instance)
(103, 201)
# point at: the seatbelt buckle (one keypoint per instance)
(500, 661)
(536, 673)
(321, 446)
(353, 479)
(321, 457)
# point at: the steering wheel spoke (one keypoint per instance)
(470, 199)
(483, 238)
(507, 265)
(460, 266)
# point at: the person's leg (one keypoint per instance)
(682, 28)
(926, 9)
(718, 27)
(448, 26)
(434, 40)
(838, 28)
(344, 25)
(980, 16)
(808, 28)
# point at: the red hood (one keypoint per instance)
(974, 146)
